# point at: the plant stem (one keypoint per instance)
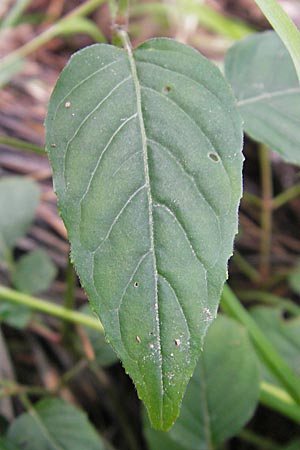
(286, 196)
(263, 346)
(14, 14)
(252, 199)
(284, 27)
(245, 267)
(47, 307)
(12, 389)
(259, 441)
(83, 10)
(275, 398)
(266, 211)
(22, 145)
(267, 297)
(75, 370)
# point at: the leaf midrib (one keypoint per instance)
(43, 428)
(150, 204)
(268, 96)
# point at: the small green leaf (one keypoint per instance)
(221, 396)
(267, 89)
(19, 198)
(34, 272)
(146, 155)
(14, 315)
(104, 354)
(54, 425)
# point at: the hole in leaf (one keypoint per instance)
(166, 89)
(286, 315)
(136, 284)
(214, 157)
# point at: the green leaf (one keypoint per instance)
(146, 155)
(14, 315)
(54, 425)
(294, 445)
(267, 89)
(104, 354)
(34, 272)
(7, 445)
(221, 396)
(284, 335)
(285, 28)
(19, 198)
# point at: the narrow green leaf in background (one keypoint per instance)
(284, 27)
(267, 89)
(284, 335)
(146, 154)
(54, 425)
(221, 396)
(34, 272)
(19, 198)
(14, 315)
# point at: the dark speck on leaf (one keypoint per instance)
(166, 89)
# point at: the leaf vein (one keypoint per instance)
(169, 152)
(86, 119)
(82, 82)
(131, 278)
(167, 99)
(125, 162)
(202, 86)
(116, 132)
(117, 217)
(150, 212)
(181, 307)
(268, 96)
(165, 207)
